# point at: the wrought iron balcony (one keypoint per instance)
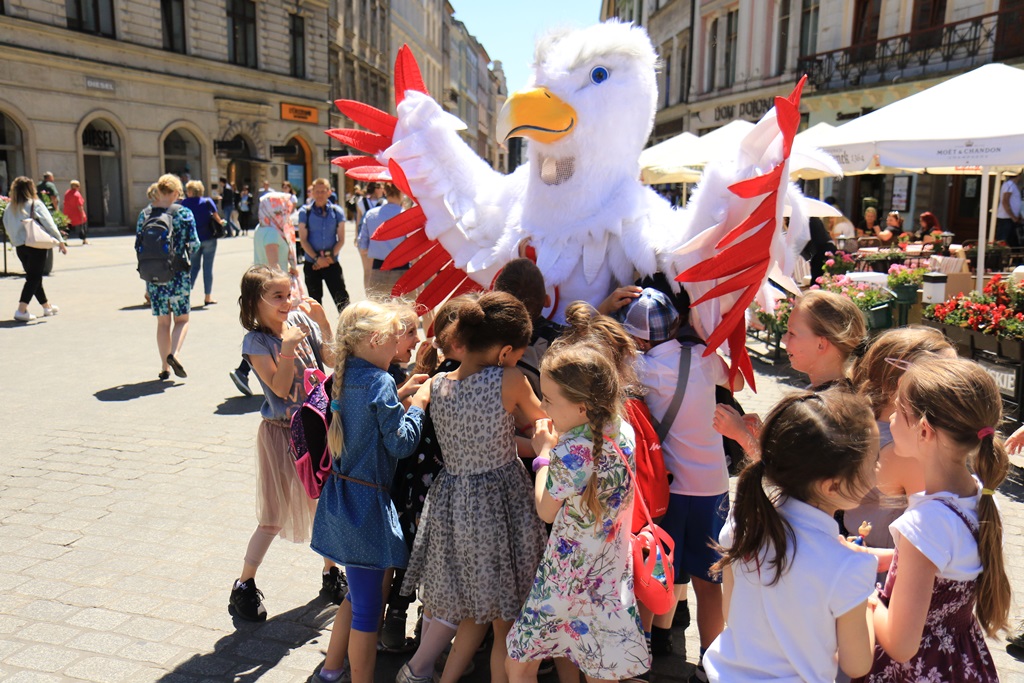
(965, 44)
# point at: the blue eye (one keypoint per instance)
(599, 75)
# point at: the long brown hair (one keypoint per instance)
(959, 398)
(256, 280)
(495, 319)
(23, 190)
(806, 438)
(585, 375)
(877, 374)
(585, 324)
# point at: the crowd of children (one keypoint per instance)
(430, 493)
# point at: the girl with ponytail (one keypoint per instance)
(585, 490)
(947, 586)
(796, 598)
(356, 524)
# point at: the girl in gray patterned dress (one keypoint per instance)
(479, 539)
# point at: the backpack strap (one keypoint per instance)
(632, 477)
(662, 427)
(963, 517)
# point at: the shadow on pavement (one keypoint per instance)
(137, 307)
(7, 324)
(127, 392)
(1013, 486)
(239, 405)
(256, 648)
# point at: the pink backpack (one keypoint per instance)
(309, 433)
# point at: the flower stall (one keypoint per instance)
(875, 302)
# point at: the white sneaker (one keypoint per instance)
(23, 317)
(52, 310)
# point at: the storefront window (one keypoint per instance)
(12, 154)
(183, 155)
(102, 185)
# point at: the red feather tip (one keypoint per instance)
(355, 161)
(368, 117)
(407, 75)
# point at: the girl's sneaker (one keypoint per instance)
(344, 676)
(25, 317)
(247, 601)
(50, 310)
(405, 675)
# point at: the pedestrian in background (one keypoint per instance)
(25, 204)
(208, 226)
(74, 209)
(1008, 214)
(322, 235)
(172, 298)
(246, 204)
(47, 191)
(380, 282)
(228, 199)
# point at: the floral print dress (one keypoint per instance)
(172, 298)
(582, 605)
(953, 648)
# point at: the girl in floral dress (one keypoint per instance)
(947, 585)
(581, 605)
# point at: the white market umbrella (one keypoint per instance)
(683, 161)
(961, 125)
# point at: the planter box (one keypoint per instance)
(879, 317)
(1012, 349)
(984, 342)
(905, 294)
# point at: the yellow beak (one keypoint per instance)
(537, 114)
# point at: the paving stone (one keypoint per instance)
(103, 669)
(41, 658)
(101, 643)
(53, 634)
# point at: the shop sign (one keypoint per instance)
(295, 112)
(97, 138)
(1004, 376)
(752, 109)
(99, 84)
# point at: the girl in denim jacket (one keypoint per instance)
(356, 523)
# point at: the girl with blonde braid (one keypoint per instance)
(356, 523)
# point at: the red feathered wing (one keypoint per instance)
(431, 261)
(742, 265)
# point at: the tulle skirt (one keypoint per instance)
(281, 501)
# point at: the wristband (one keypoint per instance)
(281, 355)
(540, 462)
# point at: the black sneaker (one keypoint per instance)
(1015, 644)
(335, 585)
(247, 601)
(682, 616)
(699, 675)
(392, 635)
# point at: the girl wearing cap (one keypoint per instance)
(693, 452)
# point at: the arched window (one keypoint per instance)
(183, 155)
(12, 152)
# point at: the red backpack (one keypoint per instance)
(651, 476)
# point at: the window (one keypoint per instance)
(712, 54)
(926, 28)
(782, 46)
(298, 35)
(668, 79)
(809, 28)
(242, 33)
(91, 16)
(684, 70)
(732, 21)
(865, 28)
(173, 14)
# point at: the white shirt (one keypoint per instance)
(787, 632)
(693, 450)
(1009, 187)
(940, 534)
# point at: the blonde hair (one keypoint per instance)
(195, 188)
(959, 398)
(359, 323)
(23, 190)
(152, 192)
(585, 374)
(877, 374)
(321, 181)
(75, 183)
(169, 183)
(836, 318)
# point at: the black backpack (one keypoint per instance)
(155, 248)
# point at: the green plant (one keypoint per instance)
(777, 322)
(838, 263)
(861, 293)
(893, 255)
(904, 275)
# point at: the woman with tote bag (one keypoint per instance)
(32, 231)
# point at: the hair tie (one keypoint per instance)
(988, 492)
(335, 405)
(985, 431)
(861, 348)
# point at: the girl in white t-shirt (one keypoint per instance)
(796, 599)
(947, 582)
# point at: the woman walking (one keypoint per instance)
(26, 204)
(204, 212)
(171, 298)
(74, 209)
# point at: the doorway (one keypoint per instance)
(104, 192)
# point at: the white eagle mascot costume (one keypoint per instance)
(577, 206)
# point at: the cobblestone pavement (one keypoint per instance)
(126, 503)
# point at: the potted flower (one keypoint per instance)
(838, 263)
(1011, 338)
(904, 281)
(873, 301)
(880, 260)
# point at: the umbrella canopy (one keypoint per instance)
(956, 126)
(677, 158)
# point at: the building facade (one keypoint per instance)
(115, 92)
(724, 60)
(418, 24)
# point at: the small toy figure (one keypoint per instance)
(862, 534)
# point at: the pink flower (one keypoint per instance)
(830, 262)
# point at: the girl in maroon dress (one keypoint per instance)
(947, 586)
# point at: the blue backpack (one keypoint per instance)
(158, 256)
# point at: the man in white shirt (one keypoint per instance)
(1008, 217)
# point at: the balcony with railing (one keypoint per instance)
(925, 53)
